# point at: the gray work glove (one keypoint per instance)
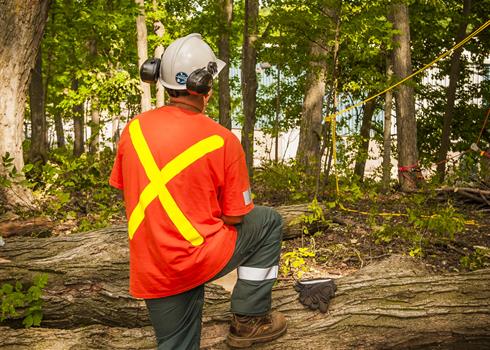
(316, 293)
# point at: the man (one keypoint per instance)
(191, 218)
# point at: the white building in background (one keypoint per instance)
(264, 145)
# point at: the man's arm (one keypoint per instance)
(232, 220)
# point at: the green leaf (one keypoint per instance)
(18, 286)
(27, 168)
(37, 317)
(34, 293)
(41, 280)
(28, 321)
(7, 288)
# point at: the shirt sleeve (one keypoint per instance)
(236, 197)
(116, 178)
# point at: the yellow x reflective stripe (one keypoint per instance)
(159, 179)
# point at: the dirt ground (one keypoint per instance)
(349, 240)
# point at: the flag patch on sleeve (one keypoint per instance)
(247, 197)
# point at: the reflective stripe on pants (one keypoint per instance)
(177, 319)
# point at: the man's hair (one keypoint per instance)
(176, 93)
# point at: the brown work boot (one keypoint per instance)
(248, 330)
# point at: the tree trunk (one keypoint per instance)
(116, 120)
(249, 80)
(159, 31)
(363, 151)
(327, 127)
(451, 93)
(387, 130)
(38, 151)
(308, 153)
(142, 44)
(60, 133)
(78, 125)
(94, 128)
(226, 16)
(485, 168)
(404, 98)
(22, 24)
(34, 227)
(392, 304)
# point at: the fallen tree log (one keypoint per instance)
(25, 227)
(394, 304)
(468, 194)
(92, 268)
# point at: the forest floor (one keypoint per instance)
(446, 237)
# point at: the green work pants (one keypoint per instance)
(177, 318)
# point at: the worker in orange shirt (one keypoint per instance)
(191, 218)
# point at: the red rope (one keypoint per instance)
(413, 167)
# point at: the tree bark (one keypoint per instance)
(363, 151)
(22, 26)
(142, 44)
(116, 120)
(404, 98)
(387, 130)
(308, 153)
(26, 227)
(159, 30)
(94, 128)
(226, 16)
(249, 80)
(60, 133)
(327, 127)
(78, 125)
(38, 151)
(392, 304)
(451, 93)
(485, 169)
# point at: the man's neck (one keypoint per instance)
(191, 104)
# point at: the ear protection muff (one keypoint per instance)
(150, 70)
(200, 81)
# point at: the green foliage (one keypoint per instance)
(314, 220)
(18, 303)
(89, 54)
(420, 229)
(434, 26)
(478, 259)
(78, 188)
(295, 262)
(10, 174)
(442, 225)
(280, 183)
(351, 192)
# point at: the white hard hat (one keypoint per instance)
(184, 56)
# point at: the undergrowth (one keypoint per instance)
(21, 303)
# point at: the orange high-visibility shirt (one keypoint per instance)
(180, 171)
